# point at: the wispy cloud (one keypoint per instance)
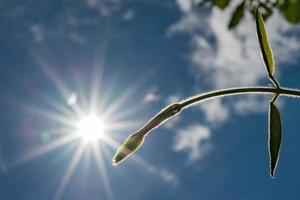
(185, 5)
(169, 177)
(171, 122)
(215, 111)
(151, 96)
(250, 104)
(232, 58)
(128, 15)
(163, 173)
(166, 175)
(253, 104)
(76, 37)
(105, 7)
(194, 140)
(221, 58)
(37, 33)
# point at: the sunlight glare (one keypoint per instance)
(91, 128)
(91, 117)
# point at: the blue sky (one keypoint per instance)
(137, 56)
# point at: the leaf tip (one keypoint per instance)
(274, 137)
(272, 174)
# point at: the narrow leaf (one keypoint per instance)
(237, 15)
(274, 137)
(129, 146)
(264, 43)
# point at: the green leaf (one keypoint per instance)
(264, 44)
(274, 137)
(129, 146)
(221, 3)
(291, 10)
(237, 15)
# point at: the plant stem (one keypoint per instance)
(274, 81)
(175, 108)
(238, 91)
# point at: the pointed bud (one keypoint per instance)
(130, 145)
(134, 141)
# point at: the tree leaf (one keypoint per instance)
(274, 137)
(291, 10)
(264, 44)
(221, 3)
(129, 146)
(237, 15)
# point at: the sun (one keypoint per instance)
(91, 128)
(90, 116)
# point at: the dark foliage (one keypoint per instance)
(290, 9)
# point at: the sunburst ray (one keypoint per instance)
(72, 167)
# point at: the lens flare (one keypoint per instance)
(91, 128)
(92, 118)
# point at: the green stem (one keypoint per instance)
(238, 91)
(275, 98)
(274, 81)
(175, 108)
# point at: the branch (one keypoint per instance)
(238, 91)
(134, 141)
(175, 109)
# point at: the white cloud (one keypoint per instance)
(194, 140)
(173, 99)
(171, 122)
(105, 7)
(191, 23)
(233, 57)
(151, 96)
(228, 63)
(185, 5)
(254, 104)
(222, 58)
(37, 33)
(163, 173)
(250, 104)
(76, 37)
(128, 15)
(169, 177)
(215, 111)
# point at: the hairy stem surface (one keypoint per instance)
(238, 91)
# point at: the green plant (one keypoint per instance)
(134, 141)
(288, 8)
